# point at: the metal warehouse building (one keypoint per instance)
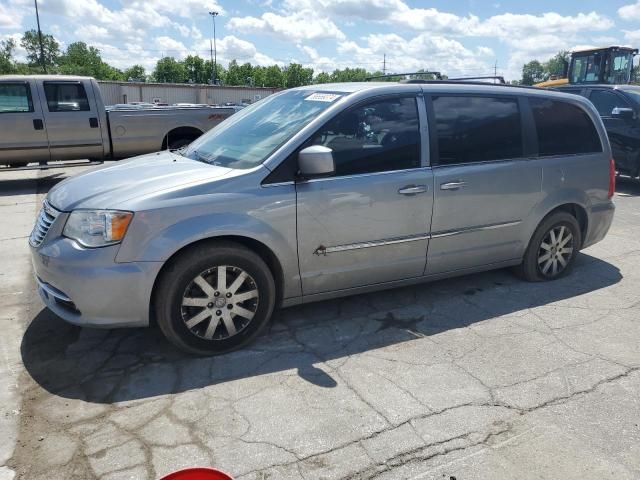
(124, 92)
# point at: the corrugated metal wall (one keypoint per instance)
(124, 92)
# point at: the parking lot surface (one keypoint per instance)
(479, 377)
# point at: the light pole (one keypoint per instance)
(44, 66)
(214, 49)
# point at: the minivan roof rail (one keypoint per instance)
(438, 75)
(499, 78)
(471, 82)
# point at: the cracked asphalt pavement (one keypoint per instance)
(478, 377)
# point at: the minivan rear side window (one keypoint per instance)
(477, 129)
(66, 97)
(563, 128)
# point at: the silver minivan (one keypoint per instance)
(325, 191)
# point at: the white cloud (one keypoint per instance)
(170, 46)
(301, 25)
(233, 48)
(632, 37)
(424, 51)
(10, 18)
(630, 12)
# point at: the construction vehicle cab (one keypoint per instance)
(611, 65)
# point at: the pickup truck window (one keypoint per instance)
(15, 98)
(249, 137)
(605, 101)
(66, 97)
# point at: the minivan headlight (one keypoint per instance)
(97, 228)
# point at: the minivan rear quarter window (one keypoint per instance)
(563, 128)
(477, 129)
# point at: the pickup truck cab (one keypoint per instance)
(324, 191)
(55, 117)
(619, 108)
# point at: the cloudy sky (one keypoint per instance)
(456, 37)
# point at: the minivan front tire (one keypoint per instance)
(553, 248)
(214, 298)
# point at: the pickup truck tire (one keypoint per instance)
(179, 143)
(214, 298)
(552, 250)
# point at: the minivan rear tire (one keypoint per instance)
(532, 268)
(176, 287)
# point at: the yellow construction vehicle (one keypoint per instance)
(610, 65)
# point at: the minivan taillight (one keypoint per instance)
(612, 177)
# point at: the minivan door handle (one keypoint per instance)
(457, 185)
(38, 124)
(412, 189)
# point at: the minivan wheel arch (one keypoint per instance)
(256, 246)
(577, 211)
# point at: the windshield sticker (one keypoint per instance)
(323, 97)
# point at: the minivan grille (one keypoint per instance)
(46, 217)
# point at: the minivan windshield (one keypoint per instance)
(249, 137)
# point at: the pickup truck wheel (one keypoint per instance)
(553, 248)
(214, 298)
(179, 143)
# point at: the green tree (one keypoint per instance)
(169, 70)
(322, 77)
(6, 56)
(273, 76)
(635, 78)
(350, 75)
(82, 59)
(246, 74)
(234, 75)
(533, 72)
(556, 65)
(135, 73)
(195, 69)
(296, 75)
(30, 42)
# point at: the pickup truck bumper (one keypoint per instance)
(86, 287)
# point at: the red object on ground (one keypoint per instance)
(198, 473)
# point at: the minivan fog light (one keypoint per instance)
(97, 228)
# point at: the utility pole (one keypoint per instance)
(44, 66)
(495, 69)
(214, 49)
(384, 63)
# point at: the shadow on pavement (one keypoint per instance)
(628, 186)
(24, 186)
(107, 366)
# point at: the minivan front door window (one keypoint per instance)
(379, 136)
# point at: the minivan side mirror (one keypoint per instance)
(623, 113)
(315, 161)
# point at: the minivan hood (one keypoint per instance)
(111, 186)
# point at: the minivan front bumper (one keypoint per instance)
(86, 287)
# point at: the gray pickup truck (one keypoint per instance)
(54, 117)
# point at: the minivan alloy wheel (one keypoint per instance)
(556, 250)
(219, 303)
